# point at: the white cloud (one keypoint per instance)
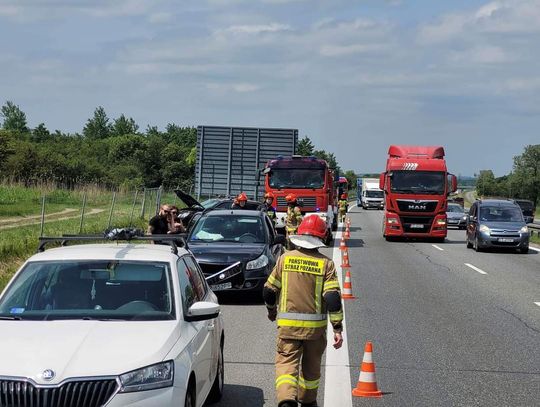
(257, 29)
(160, 18)
(482, 55)
(343, 50)
(235, 87)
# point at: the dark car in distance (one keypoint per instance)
(497, 223)
(528, 209)
(194, 209)
(243, 239)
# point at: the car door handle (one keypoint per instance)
(210, 327)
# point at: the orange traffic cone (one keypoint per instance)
(348, 222)
(346, 293)
(342, 245)
(367, 383)
(345, 259)
(347, 234)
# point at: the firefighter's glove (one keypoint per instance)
(338, 340)
(272, 314)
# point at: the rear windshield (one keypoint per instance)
(104, 290)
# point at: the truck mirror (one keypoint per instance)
(381, 181)
(454, 183)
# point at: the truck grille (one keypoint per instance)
(411, 205)
(411, 224)
(307, 201)
(87, 393)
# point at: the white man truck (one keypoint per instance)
(371, 195)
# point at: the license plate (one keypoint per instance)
(218, 287)
(417, 226)
(503, 240)
(452, 221)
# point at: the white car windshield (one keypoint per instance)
(90, 289)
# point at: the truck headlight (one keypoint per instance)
(392, 221)
(441, 222)
(148, 378)
(524, 229)
(258, 263)
(484, 229)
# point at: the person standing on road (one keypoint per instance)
(342, 205)
(294, 218)
(240, 201)
(268, 207)
(301, 293)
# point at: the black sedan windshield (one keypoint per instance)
(229, 228)
(103, 290)
(455, 208)
(418, 182)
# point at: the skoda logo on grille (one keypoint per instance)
(48, 374)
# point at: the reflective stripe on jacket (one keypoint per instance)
(301, 278)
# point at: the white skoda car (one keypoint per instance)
(110, 325)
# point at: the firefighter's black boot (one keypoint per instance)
(312, 404)
(288, 403)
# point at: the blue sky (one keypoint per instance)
(356, 76)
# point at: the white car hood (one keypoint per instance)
(82, 348)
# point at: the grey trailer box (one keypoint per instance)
(229, 158)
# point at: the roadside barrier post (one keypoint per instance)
(42, 215)
(112, 209)
(133, 207)
(82, 213)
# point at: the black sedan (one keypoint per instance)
(455, 215)
(243, 239)
(193, 208)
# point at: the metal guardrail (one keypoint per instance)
(534, 228)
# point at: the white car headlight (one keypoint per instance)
(148, 378)
(464, 217)
(524, 229)
(258, 263)
(484, 229)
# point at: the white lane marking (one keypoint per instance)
(535, 249)
(537, 303)
(337, 376)
(438, 248)
(475, 268)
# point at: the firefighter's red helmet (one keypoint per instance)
(241, 197)
(343, 196)
(269, 195)
(290, 198)
(313, 225)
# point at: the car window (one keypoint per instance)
(189, 295)
(229, 228)
(197, 280)
(91, 289)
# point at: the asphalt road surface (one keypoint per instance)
(449, 326)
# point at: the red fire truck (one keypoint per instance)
(311, 180)
(416, 185)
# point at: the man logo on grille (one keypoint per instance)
(410, 166)
(48, 374)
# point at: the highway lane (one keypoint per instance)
(443, 333)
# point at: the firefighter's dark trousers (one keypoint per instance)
(298, 369)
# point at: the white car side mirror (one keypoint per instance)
(202, 310)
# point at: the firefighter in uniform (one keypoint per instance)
(342, 205)
(294, 218)
(268, 208)
(301, 293)
(240, 201)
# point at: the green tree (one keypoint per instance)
(305, 147)
(40, 133)
(526, 175)
(485, 184)
(123, 126)
(5, 147)
(14, 118)
(98, 127)
(351, 178)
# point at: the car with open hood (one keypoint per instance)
(110, 325)
(193, 208)
(243, 240)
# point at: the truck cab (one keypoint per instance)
(416, 185)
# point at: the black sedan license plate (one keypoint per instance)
(219, 287)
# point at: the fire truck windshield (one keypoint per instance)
(418, 182)
(303, 178)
